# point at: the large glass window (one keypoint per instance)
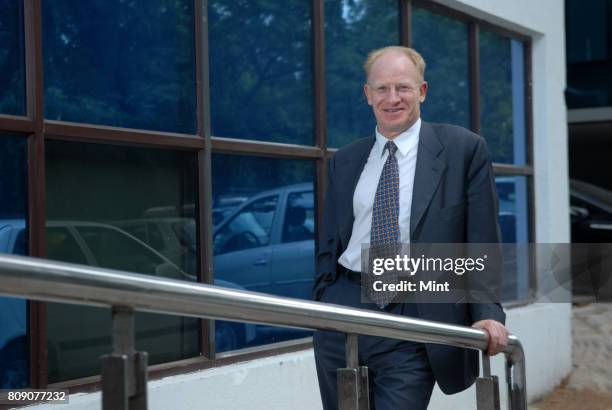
(589, 53)
(122, 208)
(121, 204)
(14, 365)
(352, 30)
(502, 97)
(443, 42)
(12, 62)
(261, 70)
(263, 237)
(127, 63)
(514, 225)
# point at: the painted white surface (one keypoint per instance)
(289, 382)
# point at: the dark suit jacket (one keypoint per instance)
(454, 201)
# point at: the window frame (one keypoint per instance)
(37, 130)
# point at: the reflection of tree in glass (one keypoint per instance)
(352, 29)
(496, 95)
(235, 175)
(443, 42)
(261, 70)
(12, 177)
(12, 67)
(128, 64)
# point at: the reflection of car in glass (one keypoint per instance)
(591, 223)
(13, 320)
(104, 245)
(591, 213)
(223, 206)
(267, 245)
(172, 237)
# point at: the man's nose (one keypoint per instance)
(393, 95)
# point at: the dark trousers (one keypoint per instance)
(399, 372)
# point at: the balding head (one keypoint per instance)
(412, 54)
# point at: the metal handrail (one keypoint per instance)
(45, 280)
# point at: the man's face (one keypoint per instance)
(395, 91)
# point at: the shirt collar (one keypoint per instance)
(405, 142)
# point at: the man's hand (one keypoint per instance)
(498, 335)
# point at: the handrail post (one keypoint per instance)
(353, 379)
(487, 387)
(516, 379)
(124, 371)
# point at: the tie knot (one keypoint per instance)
(390, 145)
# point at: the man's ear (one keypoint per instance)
(423, 91)
(366, 90)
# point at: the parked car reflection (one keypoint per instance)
(263, 243)
(267, 245)
(107, 246)
(13, 320)
(591, 223)
(591, 213)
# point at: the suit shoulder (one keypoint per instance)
(455, 137)
(456, 134)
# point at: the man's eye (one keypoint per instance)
(381, 90)
(403, 88)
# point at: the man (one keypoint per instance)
(444, 192)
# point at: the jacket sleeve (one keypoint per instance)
(483, 228)
(326, 254)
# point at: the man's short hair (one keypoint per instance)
(411, 53)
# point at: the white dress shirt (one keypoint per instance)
(365, 191)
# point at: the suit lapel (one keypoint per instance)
(354, 168)
(429, 169)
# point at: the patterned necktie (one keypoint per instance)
(385, 233)
(385, 213)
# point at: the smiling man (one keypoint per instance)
(412, 181)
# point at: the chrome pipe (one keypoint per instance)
(44, 280)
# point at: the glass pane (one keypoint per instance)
(589, 30)
(299, 221)
(122, 208)
(589, 53)
(261, 70)
(12, 60)
(502, 97)
(127, 63)
(14, 362)
(514, 224)
(352, 30)
(263, 237)
(443, 43)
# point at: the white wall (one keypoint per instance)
(289, 382)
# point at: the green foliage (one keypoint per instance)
(496, 95)
(129, 65)
(13, 177)
(353, 28)
(12, 61)
(443, 42)
(261, 70)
